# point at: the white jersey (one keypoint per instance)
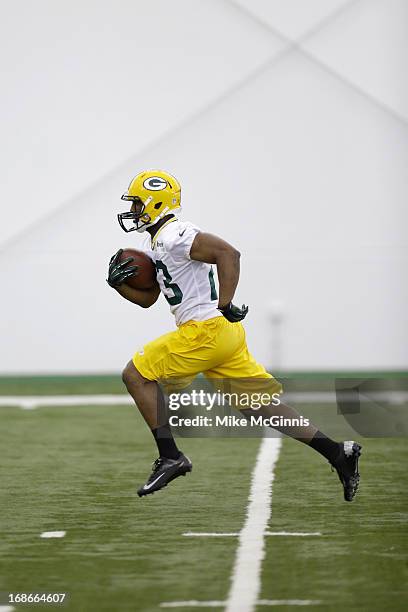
(187, 285)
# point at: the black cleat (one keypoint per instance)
(164, 471)
(346, 466)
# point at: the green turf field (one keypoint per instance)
(77, 469)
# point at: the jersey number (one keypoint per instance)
(177, 293)
(214, 295)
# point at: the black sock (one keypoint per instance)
(165, 442)
(325, 446)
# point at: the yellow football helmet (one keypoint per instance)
(154, 194)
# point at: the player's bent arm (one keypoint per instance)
(142, 297)
(211, 249)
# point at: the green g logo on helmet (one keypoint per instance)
(155, 183)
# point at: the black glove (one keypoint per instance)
(120, 271)
(233, 313)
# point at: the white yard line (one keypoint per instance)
(246, 576)
(30, 402)
(53, 534)
(34, 401)
(297, 534)
(294, 534)
(288, 602)
(193, 603)
(210, 534)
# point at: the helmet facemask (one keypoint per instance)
(140, 219)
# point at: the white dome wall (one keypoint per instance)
(278, 149)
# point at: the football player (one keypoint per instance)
(209, 338)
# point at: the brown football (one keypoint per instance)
(146, 276)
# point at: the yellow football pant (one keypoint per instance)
(216, 348)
